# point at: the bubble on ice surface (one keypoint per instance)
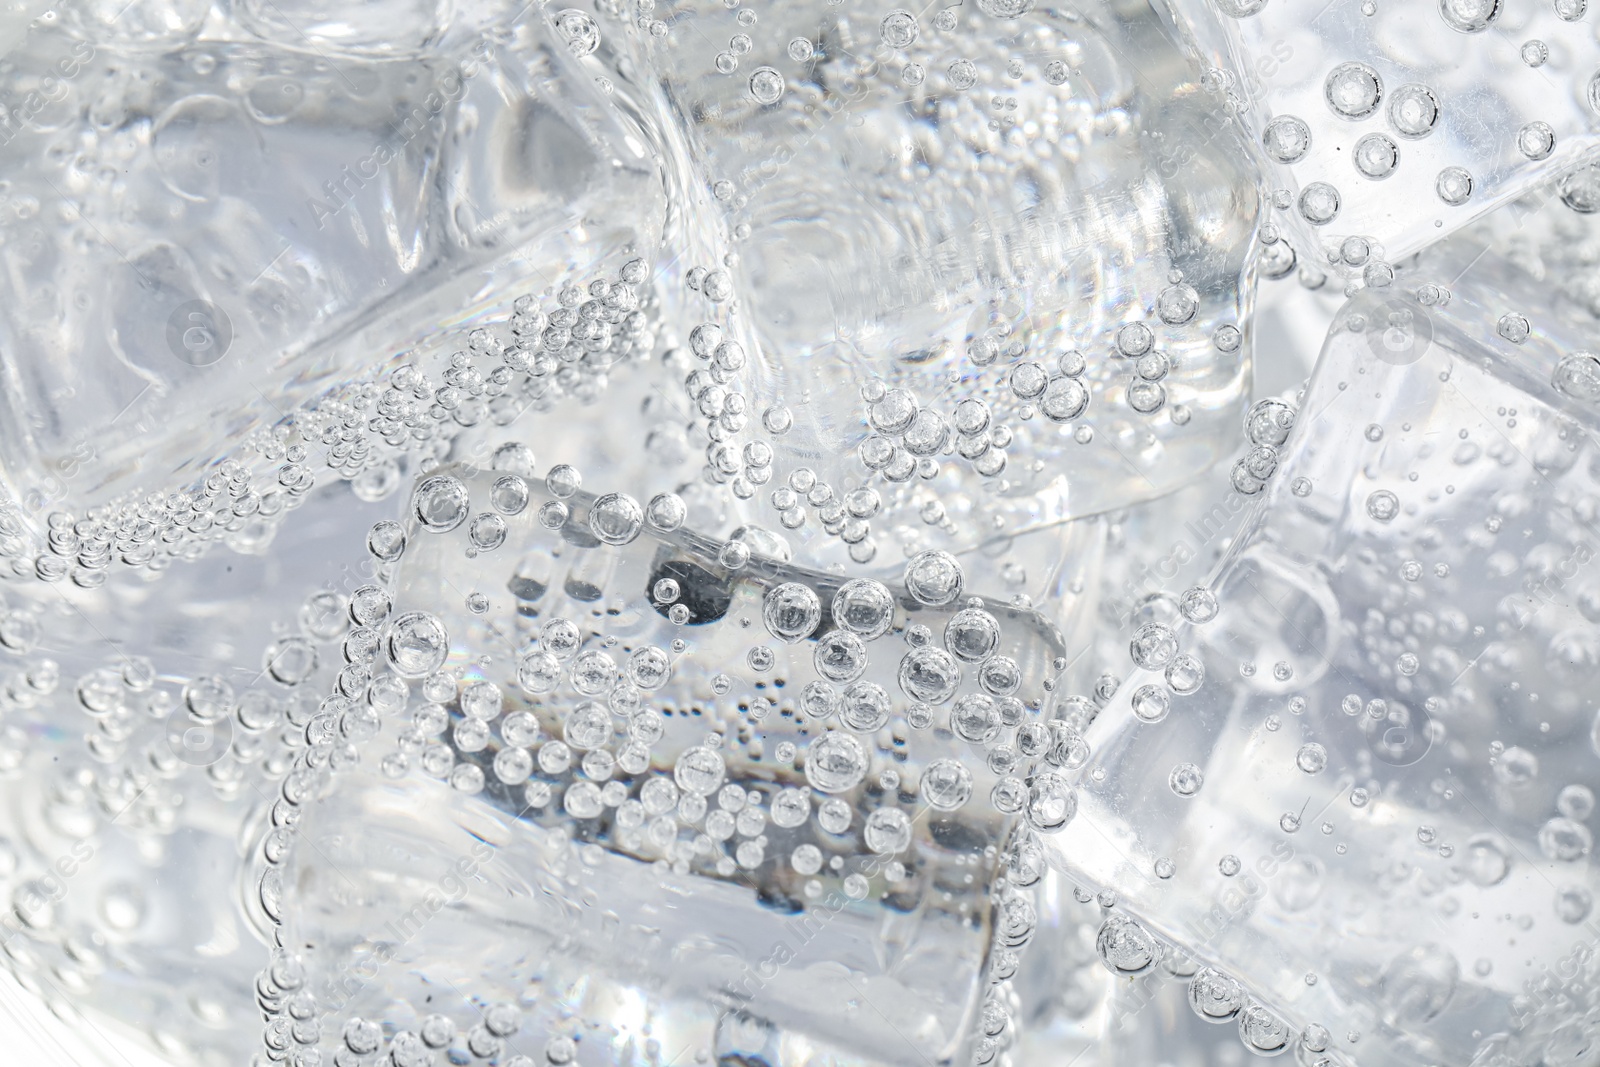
(1577, 375)
(791, 612)
(1198, 605)
(766, 86)
(509, 495)
(1376, 156)
(1536, 140)
(1240, 9)
(1263, 1032)
(1469, 16)
(1383, 505)
(1319, 203)
(887, 831)
(899, 29)
(440, 503)
(1353, 90)
(579, 30)
(864, 607)
(934, 578)
(1286, 139)
(700, 771)
(1125, 948)
(1454, 186)
(1419, 983)
(1005, 9)
(1185, 674)
(975, 718)
(929, 675)
(1185, 780)
(1151, 703)
(1052, 802)
(1153, 646)
(1215, 997)
(1311, 758)
(1564, 840)
(616, 518)
(972, 635)
(666, 512)
(417, 644)
(835, 762)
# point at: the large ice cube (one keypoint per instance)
(951, 207)
(203, 237)
(655, 790)
(1362, 787)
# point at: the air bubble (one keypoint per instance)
(766, 85)
(1413, 111)
(1353, 90)
(1286, 139)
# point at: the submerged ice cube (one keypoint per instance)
(988, 254)
(761, 806)
(1383, 127)
(1347, 789)
(144, 730)
(202, 238)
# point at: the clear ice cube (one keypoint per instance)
(685, 775)
(1382, 127)
(144, 730)
(199, 242)
(1019, 214)
(1346, 786)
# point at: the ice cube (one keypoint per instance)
(144, 731)
(991, 253)
(1354, 820)
(1384, 127)
(756, 803)
(201, 245)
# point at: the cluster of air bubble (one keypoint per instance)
(1155, 647)
(327, 736)
(714, 391)
(1267, 427)
(1451, 519)
(1136, 341)
(1130, 952)
(1381, 123)
(900, 34)
(1552, 235)
(294, 1030)
(234, 505)
(1017, 907)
